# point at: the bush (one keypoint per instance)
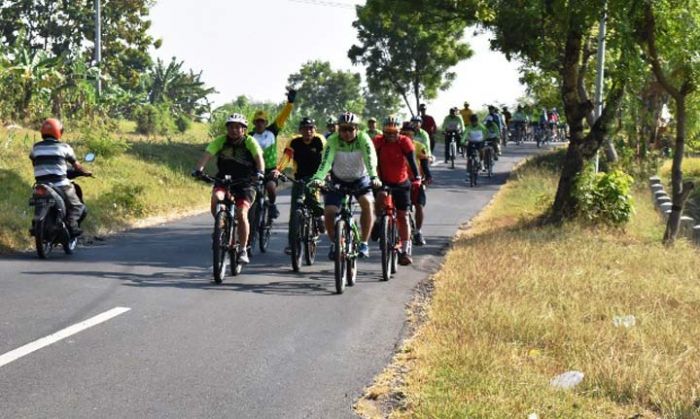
(124, 200)
(183, 123)
(152, 119)
(96, 137)
(604, 197)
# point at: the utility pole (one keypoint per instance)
(610, 151)
(98, 46)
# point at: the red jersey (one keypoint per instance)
(429, 124)
(391, 157)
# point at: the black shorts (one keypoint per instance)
(400, 194)
(472, 146)
(418, 196)
(242, 195)
(363, 185)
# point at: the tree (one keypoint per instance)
(676, 66)
(184, 92)
(323, 92)
(380, 102)
(398, 49)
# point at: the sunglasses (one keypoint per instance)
(347, 129)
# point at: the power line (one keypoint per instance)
(326, 3)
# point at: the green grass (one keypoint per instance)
(515, 304)
(149, 179)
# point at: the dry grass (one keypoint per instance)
(516, 304)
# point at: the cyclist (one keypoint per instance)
(331, 127)
(520, 120)
(507, 116)
(452, 123)
(429, 125)
(372, 130)
(553, 121)
(305, 152)
(239, 156)
(350, 158)
(492, 136)
(50, 158)
(418, 196)
(266, 136)
(476, 134)
(396, 154)
(466, 113)
(421, 135)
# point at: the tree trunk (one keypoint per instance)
(680, 191)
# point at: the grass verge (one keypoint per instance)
(516, 304)
(138, 179)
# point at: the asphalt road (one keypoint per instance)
(268, 343)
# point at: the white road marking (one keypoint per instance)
(61, 334)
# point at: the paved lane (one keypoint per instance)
(268, 343)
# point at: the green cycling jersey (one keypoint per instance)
(348, 161)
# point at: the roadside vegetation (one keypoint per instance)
(516, 304)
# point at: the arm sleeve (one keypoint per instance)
(369, 153)
(215, 146)
(253, 146)
(70, 154)
(276, 126)
(327, 159)
(425, 165)
(411, 156)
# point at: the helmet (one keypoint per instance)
(348, 118)
(391, 121)
(307, 122)
(453, 110)
(237, 118)
(372, 119)
(52, 127)
(417, 118)
(260, 115)
(407, 126)
(466, 104)
(422, 106)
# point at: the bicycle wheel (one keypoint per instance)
(351, 273)
(394, 249)
(472, 169)
(219, 245)
(489, 162)
(385, 244)
(341, 239)
(233, 247)
(453, 153)
(297, 236)
(310, 241)
(263, 228)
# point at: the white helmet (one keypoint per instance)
(348, 118)
(238, 118)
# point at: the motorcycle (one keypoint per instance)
(49, 226)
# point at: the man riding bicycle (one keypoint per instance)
(239, 156)
(305, 152)
(520, 120)
(418, 195)
(476, 134)
(493, 136)
(266, 136)
(421, 135)
(350, 158)
(452, 123)
(396, 154)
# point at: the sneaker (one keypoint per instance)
(375, 231)
(274, 212)
(405, 259)
(243, 257)
(331, 252)
(363, 250)
(418, 239)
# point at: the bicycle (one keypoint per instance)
(305, 234)
(488, 158)
(388, 238)
(225, 246)
(347, 238)
(451, 138)
(473, 164)
(259, 219)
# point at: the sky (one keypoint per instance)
(250, 48)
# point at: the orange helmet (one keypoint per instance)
(52, 127)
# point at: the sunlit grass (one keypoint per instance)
(516, 304)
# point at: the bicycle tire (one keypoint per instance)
(252, 225)
(385, 247)
(340, 255)
(310, 241)
(218, 246)
(234, 246)
(297, 237)
(263, 228)
(394, 249)
(453, 153)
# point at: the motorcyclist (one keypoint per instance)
(50, 158)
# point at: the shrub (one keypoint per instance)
(152, 119)
(124, 199)
(604, 197)
(96, 137)
(183, 123)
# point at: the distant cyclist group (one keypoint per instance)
(385, 170)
